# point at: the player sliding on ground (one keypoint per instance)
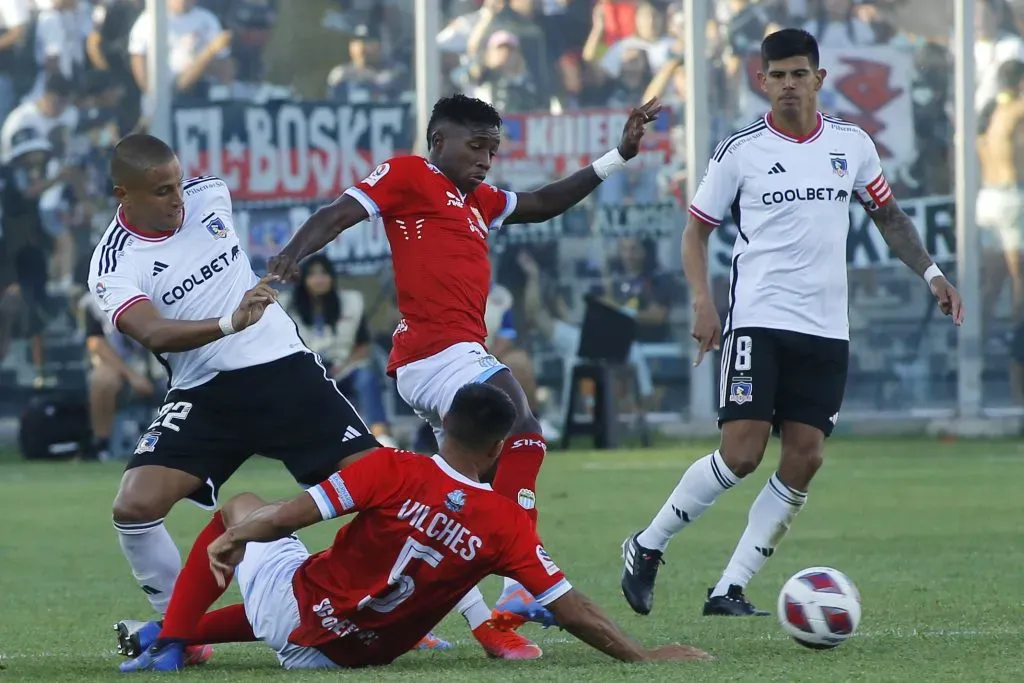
(437, 215)
(426, 531)
(788, 179)
(171, 274)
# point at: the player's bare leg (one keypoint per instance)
(773, 510)
(740, 452)
(144, 498)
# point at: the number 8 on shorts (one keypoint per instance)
(749, 376)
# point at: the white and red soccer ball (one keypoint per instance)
(819, 607)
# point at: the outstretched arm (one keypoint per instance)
(580, 616)
(267, 522)
(558, 197)
(321, 228)
(899, 233)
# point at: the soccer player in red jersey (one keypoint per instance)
(437, 214)
(426, 530)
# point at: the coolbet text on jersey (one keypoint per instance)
(424, 536)
(438, 238)
(194, 273)
(790, 199)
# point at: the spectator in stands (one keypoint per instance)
(199, 47)
(564, 336)
(503, 78)
(518, 18)
(835, 23)
(52, 117)
(244, 79)
(332, 322)
(61, 32)
(997, 40)
(115, 360)
(107, 48)
(636, 284)
(370, 75)
(1000, 205)
(23, 256)
(15, 19)
(649, 37)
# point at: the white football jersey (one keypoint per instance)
(195, 273)
(790, 199)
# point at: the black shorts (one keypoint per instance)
(778, 375)
(287, 410)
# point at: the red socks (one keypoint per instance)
(226, 625)
(518, 468)
(196, 588)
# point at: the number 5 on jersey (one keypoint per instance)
(403, 585)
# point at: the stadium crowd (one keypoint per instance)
(73, 80)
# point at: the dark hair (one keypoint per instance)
(58, 84)
(1010, 74)
(480, 416)
(136, 154)
(789, 42)
(330, 303)
(462, 110)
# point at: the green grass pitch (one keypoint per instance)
(930, 532)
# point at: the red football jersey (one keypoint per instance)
(424, 536)
(438, 240)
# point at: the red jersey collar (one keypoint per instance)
(123, 222)
(810, 137)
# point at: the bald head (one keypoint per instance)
(136, 155)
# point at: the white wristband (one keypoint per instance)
(609, 163)
(932, 272)
(225, 325)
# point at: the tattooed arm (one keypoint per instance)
(900, 234)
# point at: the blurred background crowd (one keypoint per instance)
(290, 102)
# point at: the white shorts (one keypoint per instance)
(265, 579)
(1000, 215)
(429, 384)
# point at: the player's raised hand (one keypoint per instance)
(948, 298)
(254, 303)
(225, 554)
(677, 653)
(284, 266)
(706, 329)
(633, 131)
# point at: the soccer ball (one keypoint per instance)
(819, 607)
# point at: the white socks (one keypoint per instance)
(769, 519)
(153, 557)
(473, 608)
(701, 484)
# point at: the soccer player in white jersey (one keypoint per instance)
(170, 273)
(788, 180)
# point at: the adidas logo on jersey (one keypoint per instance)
(350, 433)
(776, 169)
(159, 267)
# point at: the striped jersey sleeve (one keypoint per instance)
(367, 483)
(870, 184)
(721, 182)
(114, 281)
